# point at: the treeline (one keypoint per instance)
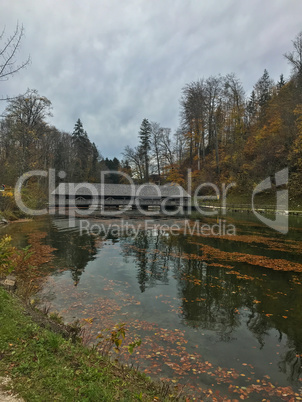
(225, 136)
(28, 142)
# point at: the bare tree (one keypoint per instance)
(8, 54)
(234, 109)
(179, 143)
(156, 134)
(167, 146)
(193, 105)
(29, 109)
(199, 103)
(295, 57)
(27, 116)
(135, 159)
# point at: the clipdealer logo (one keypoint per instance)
(280, 223)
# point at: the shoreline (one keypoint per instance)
(41, 356)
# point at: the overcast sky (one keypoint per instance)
(112, 63)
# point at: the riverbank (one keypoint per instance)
(263, 204)
(44, 366)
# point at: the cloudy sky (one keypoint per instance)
(112, 63)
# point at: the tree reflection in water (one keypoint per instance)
(212, 298)
(290, 364)
(210, 295)
(73, 251)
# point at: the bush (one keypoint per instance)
(7, 253)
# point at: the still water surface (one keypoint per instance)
(209, 311)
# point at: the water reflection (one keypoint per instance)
(210, 296)
(151, 260)
(291, 365)
(74, 252)
(254, 311)
(216, 300)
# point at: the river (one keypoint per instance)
(221, 314)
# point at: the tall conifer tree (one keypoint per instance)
(145, 144)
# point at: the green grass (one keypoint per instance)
(262, 200)
(45, 367)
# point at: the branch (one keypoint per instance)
(8, 54)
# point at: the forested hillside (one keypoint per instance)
(227, 136)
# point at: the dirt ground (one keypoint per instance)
(7, 396)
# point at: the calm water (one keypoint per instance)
(210, 312)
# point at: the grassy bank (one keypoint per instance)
(44, 366)
(265, 200)
(33, 196)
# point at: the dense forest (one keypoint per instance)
(223, 136)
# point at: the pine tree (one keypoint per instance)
(145, 144)
(82, 147)
(114, 165)
(79, 136)
(263, 89)
(252, 105)
(281, 82)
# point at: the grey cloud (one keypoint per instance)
(113, 63)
